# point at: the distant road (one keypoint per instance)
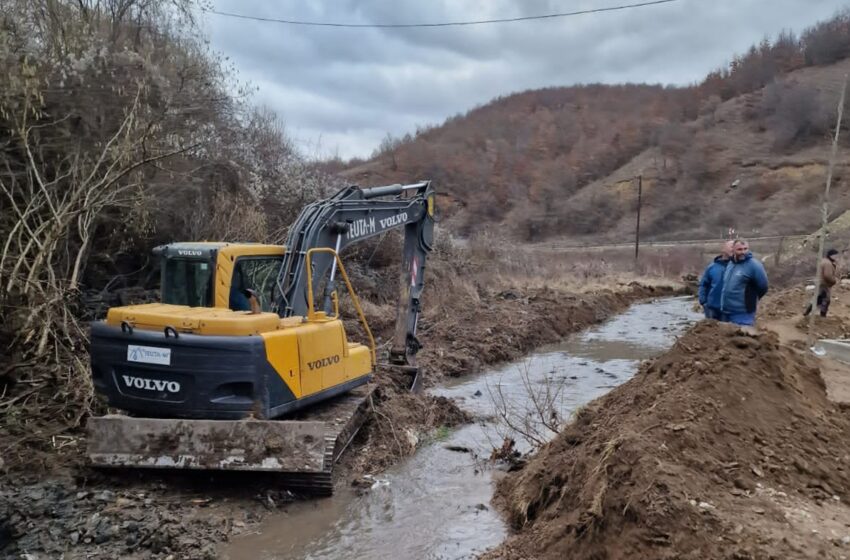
(668, 243)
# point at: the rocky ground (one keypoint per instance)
(59, 507)
(731, 445)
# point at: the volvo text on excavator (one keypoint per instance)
(245, 364)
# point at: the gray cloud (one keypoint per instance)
(341, 90)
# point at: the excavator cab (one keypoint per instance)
(219, 274)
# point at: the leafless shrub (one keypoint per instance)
(535, 414)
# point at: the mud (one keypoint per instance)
(725, 447)
(48, 503)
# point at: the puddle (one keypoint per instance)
(436, 505)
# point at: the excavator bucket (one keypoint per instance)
(411, 376)
(302, 450)
(415, 375)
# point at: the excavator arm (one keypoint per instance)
(351, 216)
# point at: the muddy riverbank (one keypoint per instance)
(68, 508)
(437, 503)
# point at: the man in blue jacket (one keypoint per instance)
(744, 283)
(711, 284)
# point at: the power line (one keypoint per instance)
(440, 24)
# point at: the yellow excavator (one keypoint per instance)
(245, 364)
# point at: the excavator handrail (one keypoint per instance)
(311, 310)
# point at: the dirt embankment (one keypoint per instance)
(68, 508)
(500, 327)
(725, 447)
(510, 323)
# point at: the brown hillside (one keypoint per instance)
(508, 160)
(779, 180)
(561, 161)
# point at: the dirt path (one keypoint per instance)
(782, 314)
(78, 512)
(732, 445)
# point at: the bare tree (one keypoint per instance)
(534, 415)
(387, 148)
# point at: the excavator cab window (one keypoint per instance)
(188, 282)
(254, 273)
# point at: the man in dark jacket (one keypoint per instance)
(827, 278)
(711, 285)
(744, 283)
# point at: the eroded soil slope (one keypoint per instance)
(725, 447)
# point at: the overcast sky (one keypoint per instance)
(340, 91)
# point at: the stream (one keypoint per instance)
(436, 504)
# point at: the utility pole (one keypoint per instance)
(825, 213)
(637, 224)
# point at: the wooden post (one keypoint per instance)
(825, 213)
(777, 257)
(637, 225)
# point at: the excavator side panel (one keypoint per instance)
(282, 354)
(321, 346)
(358, 362)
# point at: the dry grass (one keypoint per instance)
(501, 264)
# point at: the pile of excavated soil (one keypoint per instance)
(724, 447)
(397, 423)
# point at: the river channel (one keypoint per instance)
(436, 505)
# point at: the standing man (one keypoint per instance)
(744, 283)
(711, 285)
(827, 277)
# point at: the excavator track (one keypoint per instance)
(302, 450)
(344, 426)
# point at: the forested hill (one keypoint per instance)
(559, 161)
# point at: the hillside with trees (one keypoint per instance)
(561, 162)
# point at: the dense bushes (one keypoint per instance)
(118, 130)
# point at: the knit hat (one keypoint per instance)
(831, 252)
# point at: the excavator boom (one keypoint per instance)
(351, 216)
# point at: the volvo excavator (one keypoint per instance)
(245, 364)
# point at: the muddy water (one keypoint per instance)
(437, 504)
